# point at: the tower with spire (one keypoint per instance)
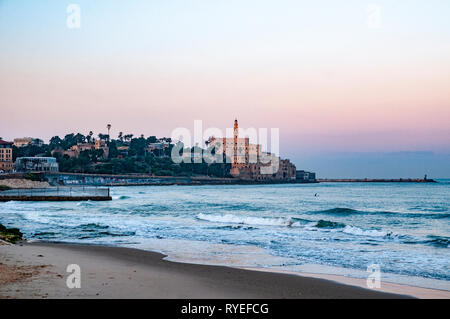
(235, 141)
(245, 159)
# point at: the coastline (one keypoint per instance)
(48, 179)
(38, 270)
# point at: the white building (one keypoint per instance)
(36, 164)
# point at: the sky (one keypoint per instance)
(357, 88)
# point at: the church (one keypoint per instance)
(249, 162)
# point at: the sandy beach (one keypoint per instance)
(38, 270)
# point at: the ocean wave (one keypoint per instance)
(342, 211)
(434, 213)
(234, 227)
(227, 206)
(329, 224)
(435, 208)
(149, 208)
(45, 235)
(91, 227)
(88, 203)
(247, 220)
(293, 222)
(441, 216)
(438, 241)
(90, 233)
(117, 234)
(352, 230)
(120, 197)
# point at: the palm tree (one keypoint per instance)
(109, 128)
(128, 137)
(90, 136)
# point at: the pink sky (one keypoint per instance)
(337, 107)
(331, 85)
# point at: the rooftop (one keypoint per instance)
(2, 142)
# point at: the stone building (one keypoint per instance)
(76, 150)
(25, 141)
(101, 145)
(249, 162)
(6, 163)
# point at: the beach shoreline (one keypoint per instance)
(385, 286)
(39, 270)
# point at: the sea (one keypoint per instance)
(330, 228)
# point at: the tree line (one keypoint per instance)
(135, 160)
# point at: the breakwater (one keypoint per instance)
(376, 180)
(54, 198)
(56, 194)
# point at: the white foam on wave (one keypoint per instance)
(352, 230)
(247, 220)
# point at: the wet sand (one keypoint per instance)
(38, 270)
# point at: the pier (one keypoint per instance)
(376, 180)
(56, 194)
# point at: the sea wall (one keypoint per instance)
(70, 179)
(379, 180)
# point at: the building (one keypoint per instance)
(160, 145)
(73, 151)
(36, 164)
(6, 163)
(81, 147)
(25, 141)
(61, 152)
(306, 177)
(286, 171)
(248, 162)
(239, 151)
(159, 148)
(76, 150)
(101, 145)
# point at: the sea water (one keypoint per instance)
(402, 227)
